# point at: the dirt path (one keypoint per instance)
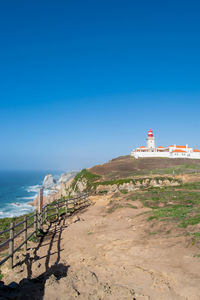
(107, 256)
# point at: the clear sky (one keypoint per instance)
(81, 82)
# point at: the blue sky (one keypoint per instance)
(81, 82)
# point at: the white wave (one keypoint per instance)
(17, 209)
(28, 198)
(18, 204)
(33, 188)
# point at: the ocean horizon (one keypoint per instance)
(18, 189)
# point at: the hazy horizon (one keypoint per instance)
(82, 83)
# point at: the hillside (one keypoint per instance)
(128, 166)
(138, 240)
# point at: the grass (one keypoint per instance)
(124, 191)
(172, 205)
(156, 197)
(176, 170)
(87, 176)
(5, 224)
(114, 207)
(190, 186)
(196, 255)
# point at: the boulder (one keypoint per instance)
(49, 181)
(75, 219)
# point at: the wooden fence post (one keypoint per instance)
(66, 206)
(35, 223)
(79, 203)
(40, 205)
(40, 200)
(57, 209)
(39, 221)
(11, 244)
(25, 234)
(45, 214)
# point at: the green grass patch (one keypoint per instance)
(124, 191)
(87, 176)
(170, 204)
(5, 224)
(196, 255)
(113, 208)
(190, 186)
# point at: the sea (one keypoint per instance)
(18, 188)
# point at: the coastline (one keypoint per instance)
(19, 191)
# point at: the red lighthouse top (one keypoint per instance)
(150, 133)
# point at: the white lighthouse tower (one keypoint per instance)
(151, 140)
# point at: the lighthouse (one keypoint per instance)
(150, 140)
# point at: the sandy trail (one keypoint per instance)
(108, 256)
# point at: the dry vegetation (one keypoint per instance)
(127, 166)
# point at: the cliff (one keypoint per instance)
(126, 174)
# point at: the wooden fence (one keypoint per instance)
(37, 219)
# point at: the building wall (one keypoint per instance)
(192, 155)
(151, 142)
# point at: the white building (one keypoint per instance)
(173, 151)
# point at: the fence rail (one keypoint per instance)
(40, 217)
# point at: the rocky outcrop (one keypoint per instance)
(83, 183)
(49, 181)
(136, 184)
(79, 187)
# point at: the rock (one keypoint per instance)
(20, 269)
(49, 181)
(81, 185)
(94, 277)
(75, 219)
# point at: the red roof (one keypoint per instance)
(161, 147)
(196, 150)
(175, 151)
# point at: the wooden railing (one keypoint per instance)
(36, 221)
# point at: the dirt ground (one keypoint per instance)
(107, 256)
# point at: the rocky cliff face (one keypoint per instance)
(49, 181)
(135, 185)
(55, 189)
(88, 182)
